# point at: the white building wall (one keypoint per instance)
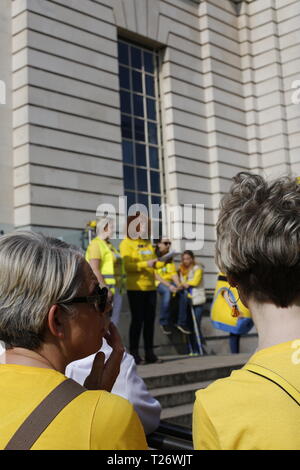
(6, 164)
(66, 113)
(227, 70)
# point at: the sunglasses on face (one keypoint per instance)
(167, 243)
(98, 299)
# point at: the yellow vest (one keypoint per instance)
(221, 311)
(108, 257)
(136, 254)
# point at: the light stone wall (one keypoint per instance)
(6, 164)
(226, 75)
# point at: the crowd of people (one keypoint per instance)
(142, 269)
(55, 310)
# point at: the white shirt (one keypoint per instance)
(128, 385)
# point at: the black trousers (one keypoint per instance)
(142, 307)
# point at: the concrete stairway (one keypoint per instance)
(174, 382)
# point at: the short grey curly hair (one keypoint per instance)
(258, 237)
(36, 272)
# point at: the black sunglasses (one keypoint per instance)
(167, 243)
(99, 299)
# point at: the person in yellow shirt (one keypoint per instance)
(258, 248)
(52, 312)
(107, 264)
(167, 283)
(140, 261)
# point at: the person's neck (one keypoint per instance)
(104, 237)
(43, 358)
(275, 325)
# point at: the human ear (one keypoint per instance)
(56, 321)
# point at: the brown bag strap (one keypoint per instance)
(44, 414)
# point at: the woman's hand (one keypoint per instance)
(103, 375)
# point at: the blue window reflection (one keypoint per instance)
(127, 148)
(153, 157)
(142, 183)
(139, 129)
(140, 124)
(150, 86)
(126, 126)
(143, 199)
(124, 78)
(137, 83)
(148, 62)
(138, 105)
(140, 154)
(152, 133)
(136, 58)
(123, 53)
(128, 177)
(156, 200)
(155, 182)
(125, 102)
(130, 198)
(151, 109)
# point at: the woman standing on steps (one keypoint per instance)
(140, 261)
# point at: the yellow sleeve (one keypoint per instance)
(129, 264)
(116, 426)
(173, 270)
(196, 279)
(94, 250)
(204, 434)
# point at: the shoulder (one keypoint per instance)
(198, 267)
(116, 425)
(224, 394)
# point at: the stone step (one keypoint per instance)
(184, 370)
(179, 414)
(178, 395)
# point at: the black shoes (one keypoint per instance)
(151, 358)
(166, 329)
(137, 359)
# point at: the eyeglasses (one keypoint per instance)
(167, 243)
(99, 300)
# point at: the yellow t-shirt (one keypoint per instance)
(136, 254)
(248, 412)
(95, 420)
(166, 272)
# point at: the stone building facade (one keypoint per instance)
(228, 99)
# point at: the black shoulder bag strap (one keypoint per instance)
(44, 414)
(272, 376)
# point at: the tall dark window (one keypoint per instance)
(140, 122)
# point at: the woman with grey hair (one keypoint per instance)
(52, 312)
(258, 248)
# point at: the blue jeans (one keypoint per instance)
(234, 342)
(183, 308)
(165, 298)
